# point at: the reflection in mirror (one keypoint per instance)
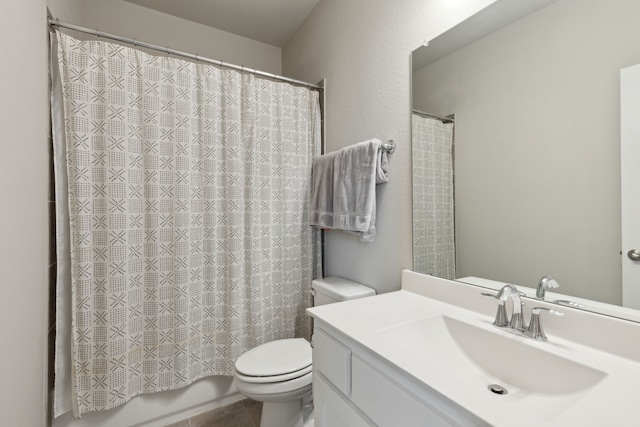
(537, 147)
(433, 225)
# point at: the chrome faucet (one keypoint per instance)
(546, 282)
(509, 292)
(516, 323)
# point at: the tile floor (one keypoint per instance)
(244, 413)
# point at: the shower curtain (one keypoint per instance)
(188, 244)
(433, 204)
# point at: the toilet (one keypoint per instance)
(279, 373)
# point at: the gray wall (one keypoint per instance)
(537, 145)
(362, 48)
(24, 231)
(130, 20)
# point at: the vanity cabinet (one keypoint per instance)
(352, 387)
(427, 355)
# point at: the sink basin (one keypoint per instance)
(491, 356)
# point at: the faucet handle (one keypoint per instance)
(487, 294)
(538, 310)
(501, 319)
(535, 330)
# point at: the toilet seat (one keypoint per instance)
(274, 378)
(275, 391)
(276, 361)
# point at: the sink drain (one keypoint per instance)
(497, 389)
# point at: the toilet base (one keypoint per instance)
(282, 414)
(307, 413)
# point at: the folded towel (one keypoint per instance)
(344, 188)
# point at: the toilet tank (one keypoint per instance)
(335, 289)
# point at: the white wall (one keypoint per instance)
(537, 130)
(24, 230)
(130, 20)
(362, 48)
(25, 262)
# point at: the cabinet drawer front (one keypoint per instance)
(332, 409)
(333, 360)
(385, 402)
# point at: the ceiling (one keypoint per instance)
(269, 21)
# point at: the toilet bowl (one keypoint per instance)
(279, 373)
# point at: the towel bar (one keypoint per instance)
(390, 146)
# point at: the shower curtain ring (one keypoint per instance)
(197, 59)
(135, 42)
(98, 33)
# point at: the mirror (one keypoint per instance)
(535, 157)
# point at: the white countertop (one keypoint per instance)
(612, 401)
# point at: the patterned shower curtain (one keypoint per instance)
(433, 205)
(188, 193)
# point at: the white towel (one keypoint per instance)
(344, 188)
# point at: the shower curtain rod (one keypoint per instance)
(434, 116)
(169, 51)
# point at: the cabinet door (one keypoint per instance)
(386, 402)
(331, 409)
(332, 359)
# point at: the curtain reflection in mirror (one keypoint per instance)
(433, 206)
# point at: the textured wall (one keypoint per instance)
(362, 48)
(24, 231)
(130, 20)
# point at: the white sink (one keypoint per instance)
(484, 355)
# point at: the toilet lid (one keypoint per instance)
(275, 358)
